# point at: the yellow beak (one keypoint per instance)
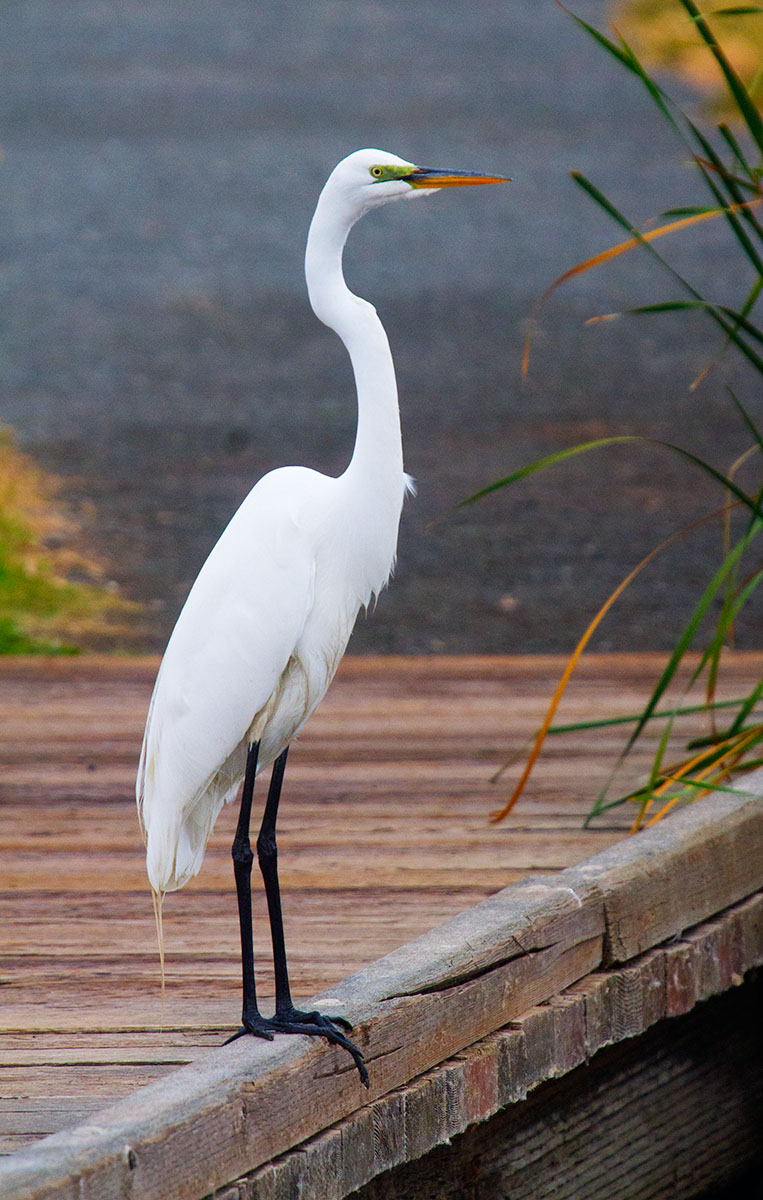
(434, 177)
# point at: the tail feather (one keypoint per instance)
(176, 838)
(158, 901)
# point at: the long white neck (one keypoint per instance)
(376, 467)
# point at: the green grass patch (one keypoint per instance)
(53, 599)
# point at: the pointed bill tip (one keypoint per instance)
(435, 177)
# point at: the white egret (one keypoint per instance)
(269, 616)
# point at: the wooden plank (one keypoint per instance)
(612, 667)
(411, 1009)
(676, 1113)
(689, 868)
(396, 763)
(545, 1043)
(208, 1122)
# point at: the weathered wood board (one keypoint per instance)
(384, 834)
(484, 970)
(545, 1043)
(675, 1114)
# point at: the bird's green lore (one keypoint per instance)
(429, 177)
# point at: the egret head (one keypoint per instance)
(369, 178)
(360, 182)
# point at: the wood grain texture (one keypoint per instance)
(691, 870)
(383, 835)
(545, 1043)
(249, 1102)
(668, 1116)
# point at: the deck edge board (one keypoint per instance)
(244, 1104)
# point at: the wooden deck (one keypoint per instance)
(383, 835)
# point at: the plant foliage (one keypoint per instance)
(730, 163)
(51, 598)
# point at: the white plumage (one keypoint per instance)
(253, 652)
(269, 616)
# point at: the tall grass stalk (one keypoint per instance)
(730, 163)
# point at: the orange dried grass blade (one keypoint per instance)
(734, 753)
(499, 814)
(650, 236)
(526, 352)
(678, 773)
(672, 802)
(621, 248)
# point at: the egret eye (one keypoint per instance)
(377, 172)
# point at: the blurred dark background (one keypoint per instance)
(160, 165)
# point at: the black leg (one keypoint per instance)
(267, 855)
(289, 1019)
(241, 852)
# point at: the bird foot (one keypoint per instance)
(312, 1018)
(257, 1028)
(314, 1024)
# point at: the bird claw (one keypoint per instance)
(324, 1028)
(314, 1024)
(313, 1018)
(345, 1024)
(251, 1027)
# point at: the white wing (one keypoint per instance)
(231, 645)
